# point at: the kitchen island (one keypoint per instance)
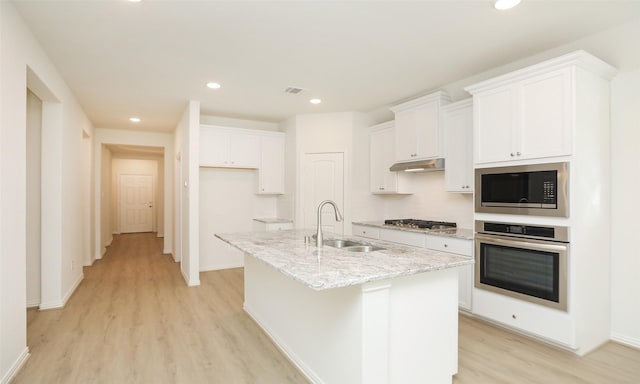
(388, 316)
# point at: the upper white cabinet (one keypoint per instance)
(382, 156)
(418, 134)
(224, 147)
(271, 174)
(530, 113)
(457, 123)
(228, 147)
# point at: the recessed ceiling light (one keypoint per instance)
(134, 119)
(213, 85)
(134, 1)
(505, 4)
(315, 101)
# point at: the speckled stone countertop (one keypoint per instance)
(328, 267)
(460, 233)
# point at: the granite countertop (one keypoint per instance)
(460, 233)
(328, 267)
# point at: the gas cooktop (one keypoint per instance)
(420, 224)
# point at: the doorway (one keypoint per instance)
(322, 178)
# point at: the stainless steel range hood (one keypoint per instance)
(419, 166)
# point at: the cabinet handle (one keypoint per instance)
(518, 153)
(446, 245)
(512, 154)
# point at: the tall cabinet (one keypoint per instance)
(557, 110)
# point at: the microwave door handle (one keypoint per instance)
(542, 246)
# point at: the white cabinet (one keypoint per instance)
(528, 116)
(228, 148)
(271, 173)
(382, 156)
(462, 247)
(418, 133)
(260, 225)
(457, 124)
(365, 231)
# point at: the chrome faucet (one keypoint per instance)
(319, 237)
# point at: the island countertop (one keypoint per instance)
(328, 267)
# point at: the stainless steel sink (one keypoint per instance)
(351, 246)
(339, 243)
(363, 248)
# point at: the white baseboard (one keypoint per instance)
(15, 367)
(167, 252)
(57, 304)
(626, 340)
(190, 282)
(33, 303)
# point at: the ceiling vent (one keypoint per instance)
(293, 90)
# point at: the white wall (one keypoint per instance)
(625, 305)
(126, 166)
(187, 193)
(22, 57)
(228, 203)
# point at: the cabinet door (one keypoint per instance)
(495, 119)
(382, 156)
(428, 137)
(271, 172)
(406, 136)
(457, 123)
(214, 147)
(545, 115)
(244, 150)
(417, 133)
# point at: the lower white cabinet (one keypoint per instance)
(271, 225)
(462, 247)
(364, 231)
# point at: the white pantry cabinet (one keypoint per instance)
(529, 114)
(418, 132)
(382, 156)
(457, 123)
(271, 174)
(228, 147)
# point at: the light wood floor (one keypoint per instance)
(133, 320)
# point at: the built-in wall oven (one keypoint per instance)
(528, 262)
(535, 189)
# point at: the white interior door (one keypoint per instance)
(322, 179)
(136, 203)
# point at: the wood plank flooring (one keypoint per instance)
(133, 320)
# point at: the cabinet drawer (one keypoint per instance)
(403, 237)
(451, 245)
(362, 231)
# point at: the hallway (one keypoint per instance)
(133, 320)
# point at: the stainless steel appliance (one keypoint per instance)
(527, 262)
(421, 224)
(538, 189)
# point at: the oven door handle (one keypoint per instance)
(522, 243)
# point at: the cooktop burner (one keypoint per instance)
(422, 224)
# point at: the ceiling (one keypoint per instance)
(148, 59)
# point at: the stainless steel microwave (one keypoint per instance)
(537, 190)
